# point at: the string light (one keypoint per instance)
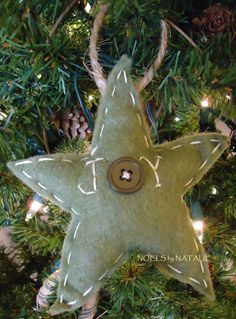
(90, 97)
(2, 115)
(177, 119)
(35, 205)
(214, 191)
(198, 226)
(205, 102)
(87, 7)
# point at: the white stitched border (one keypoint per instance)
(194, 280)
(125, 76)
(139, 118)
(24, 162)
(132, 97)
(57, 198)
(44, 159)
(65, 280)
(202, 268)
(27, 175)
(42, 186)
(71, 303)
(118, 258)
(176, 146)
(87, 291)
(66, 160)
(173, 268)
(113, 91)
(95, 160)
(68, 259)
(196, 244)
(203, 164)
(216, 148)
(102, 130)
(94, 150)
(84, 192)
(103, 275)
(76, 230)
(189, 182)
(146, 140)
(74, 211)
(118, 75)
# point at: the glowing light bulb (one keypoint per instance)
(87, 7)
(90, 97)
(177, 119)
(205, 102)
(214, 191)
(35, 206)
(198, 226)
(2, 115)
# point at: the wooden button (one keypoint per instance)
(125, 175)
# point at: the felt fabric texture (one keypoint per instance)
(107, 225)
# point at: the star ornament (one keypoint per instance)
(124, 194)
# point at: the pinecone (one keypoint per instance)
(215, 20)
(73, 124)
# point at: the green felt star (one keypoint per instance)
(106, 225)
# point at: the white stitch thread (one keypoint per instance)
(173, 268)
(27, 175)
(103, 275)
(196, 244)
(68, 259)
(194, 280)
(205, 284)
(87, 291)
(71, 303)
(106, 110)
(203, 164)
(214, 140)
(94, 150)
(196, 142)
(65, 280)
(84, 192)
(146, 140)
(118, 75)
(132, 97)
(61, 299)
(94, 177)
(216, 148)
(93, 161)
(139, 118)
(45, 159)
(125, 76)
(42, 186)
(23, 162)
(74, 211)
(175, 147)
(57, 198)
(189, 182)
(102, 130)
(66, 160)
(118, 258)
(113, 91)
(76, 230)
(154, 168)
(202, 268)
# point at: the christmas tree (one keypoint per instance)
(49, 104)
